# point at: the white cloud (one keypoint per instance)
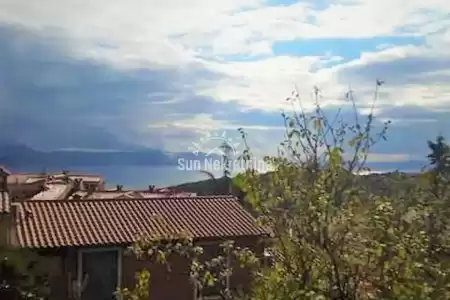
(174, 31)
(390, 157)
(265, 83)
(180, 34)
(414, 75)
(181, 131)
(205, 122)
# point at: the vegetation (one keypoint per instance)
(332, 238)
(22, 275)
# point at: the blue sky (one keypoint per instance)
(163, 73)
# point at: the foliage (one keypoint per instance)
(439, 159)
(440, 154)
(140, 290)
(205, 272)
(23, 275)
(332, 239)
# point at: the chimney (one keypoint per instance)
(15, 209)
(77, 184)
(4, 173)
(11, 221)
(151, 188)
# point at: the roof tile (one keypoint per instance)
(116, 221)
(54, 191)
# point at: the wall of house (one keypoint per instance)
(28, 190)
(175, 284)
(241, 278)
(165, 284)
(5, 225)
(63, 274)
(8, 235)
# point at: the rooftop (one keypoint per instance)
(90, 222)
(53, 191)
(29, 178)
(113, 194)
(22, 179)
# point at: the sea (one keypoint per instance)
(140, 177)
(134, 177)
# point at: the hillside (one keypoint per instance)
(380, 184)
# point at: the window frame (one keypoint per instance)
(81, 251)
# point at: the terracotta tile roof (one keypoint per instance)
(114, 194)
(53, 191)
(119, 221)
(79, 195)
(21, 178)
(87, 178)
(106, 194)
(34, 179)
(160, 194)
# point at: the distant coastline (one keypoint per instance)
(134, 169)
(17, 156)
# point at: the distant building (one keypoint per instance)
(27, 185)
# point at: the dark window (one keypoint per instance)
(101, 269)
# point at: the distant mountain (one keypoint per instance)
(409, 166)
(20, 156)
(385, 183)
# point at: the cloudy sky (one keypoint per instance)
(97, 74)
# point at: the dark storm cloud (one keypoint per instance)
(400, 71)
(50, 99)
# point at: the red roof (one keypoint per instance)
(118, 221)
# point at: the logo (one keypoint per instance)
(215, 143)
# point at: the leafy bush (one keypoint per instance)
(333, 240)
(22, 275)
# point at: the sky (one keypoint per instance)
(97, 74)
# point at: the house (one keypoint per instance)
(118, 192)
(88, 182)
(86, 240)
(55, 191)
(21, 186)
(27, 185)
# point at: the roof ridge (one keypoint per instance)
(134, 199)
(57, 173)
